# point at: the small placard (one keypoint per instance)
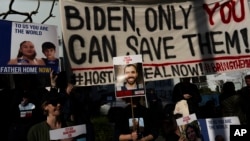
(67, 132)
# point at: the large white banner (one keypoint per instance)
(176, 39)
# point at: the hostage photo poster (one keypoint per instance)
(21, 48)
(188, 125)
(177, 39)
(129, 70)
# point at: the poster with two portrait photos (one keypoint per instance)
(28, 48)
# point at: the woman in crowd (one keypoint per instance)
(52, 110)
(40, 131)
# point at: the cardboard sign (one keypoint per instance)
(67, 132)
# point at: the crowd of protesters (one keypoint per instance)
(31, 102)
(29, 105)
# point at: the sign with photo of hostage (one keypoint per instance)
(128, 72)
(190, 128)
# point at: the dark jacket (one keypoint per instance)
(244, 102)
(139, 112)
(187, 88)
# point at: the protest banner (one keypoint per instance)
(24, 48)
(129, 80)
(212, 128)
(177, 39)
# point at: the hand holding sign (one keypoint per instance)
(68, 132)
(187, 96)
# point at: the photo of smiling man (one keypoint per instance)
(129, 76)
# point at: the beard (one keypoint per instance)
(131, 80)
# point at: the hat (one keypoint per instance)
(53, 99)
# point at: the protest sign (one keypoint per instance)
(129, 80)
(189, 127)
(22, 49)
(177, 39)
(217, 127)
(67, 132)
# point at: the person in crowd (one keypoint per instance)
(185, 90)
(64, 88)
(73, 105)
(210, 110)
(82, 111)
(134, 123)
(152, 97)
(24, 106)
(155, 106)
(244, 100)
(228, 90)
(131, 77)
(49, 50)
(6, 96)
(52, 109)
(230, 102)
(26, 55)
(170, 128)
(193, 133)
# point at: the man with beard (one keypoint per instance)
(131, 76)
